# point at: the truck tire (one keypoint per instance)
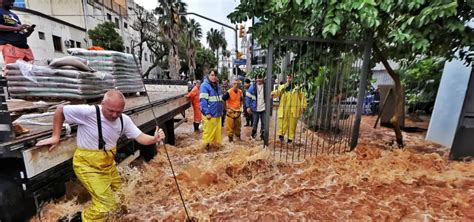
(14, 204)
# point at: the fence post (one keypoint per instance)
(268, 97)
(362, 89)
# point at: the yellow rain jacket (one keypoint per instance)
(292, 103)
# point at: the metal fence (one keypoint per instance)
(319, 110)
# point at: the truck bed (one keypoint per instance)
(132, 104)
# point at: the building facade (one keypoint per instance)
(63, 24)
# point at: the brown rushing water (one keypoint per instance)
(243, 181)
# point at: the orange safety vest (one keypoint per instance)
(235, 99)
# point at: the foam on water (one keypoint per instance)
(244, 181)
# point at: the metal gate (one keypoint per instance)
(319, 111)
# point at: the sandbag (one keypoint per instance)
(107, 83)
(79, 63)
(17, 89)
(28, 80)
(62, 73)
(121, 65)
(61, 95)
(59, 85)
(67, 67)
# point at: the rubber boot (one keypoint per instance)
(282, 138)
(74, 218)
(196, 127)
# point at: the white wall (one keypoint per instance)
(91, 17)
(98, 14)
(449, 101)
(60, 8)
(44, 49)
(382, 78)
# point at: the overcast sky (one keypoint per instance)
(214, 9)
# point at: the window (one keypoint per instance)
(109, 17)
(41, 35)
(78, 44)
(19, 4)
(71, 43)
(125, 25)
(127, 49)
(151, 58)
(117, 24)
(146, 57)
(58, 46)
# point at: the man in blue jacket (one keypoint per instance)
(255, 103)
(212, 107)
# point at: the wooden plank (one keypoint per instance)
(23, 105)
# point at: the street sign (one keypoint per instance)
(240, 61)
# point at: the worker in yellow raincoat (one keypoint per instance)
(212, 108)
(99, 128)
(292, 105)
(233, 98)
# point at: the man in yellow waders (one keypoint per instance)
(233, 98)
(212, 107)
(292, 105)
(99, 128)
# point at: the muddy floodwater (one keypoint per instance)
(244, 181)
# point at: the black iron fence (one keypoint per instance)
(317, 88)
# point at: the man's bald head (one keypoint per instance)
(113, 104)
(114, 96)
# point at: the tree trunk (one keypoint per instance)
(140, 56)
(173, 61)
(147, 72)
(397, 114)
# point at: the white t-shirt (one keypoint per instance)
(260, 99)
(88, 136)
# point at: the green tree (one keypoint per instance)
(193, 34)
(224, 73)
(105, 36)
(205, 59)
(421, 80)
(401, 29)
(171, 24)
(216, 39)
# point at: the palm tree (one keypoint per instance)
(216, 39)
(194, 33)
(171, 24)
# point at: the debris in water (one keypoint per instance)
(243, 180)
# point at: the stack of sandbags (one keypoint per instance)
(66, 78)
(121, 65)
